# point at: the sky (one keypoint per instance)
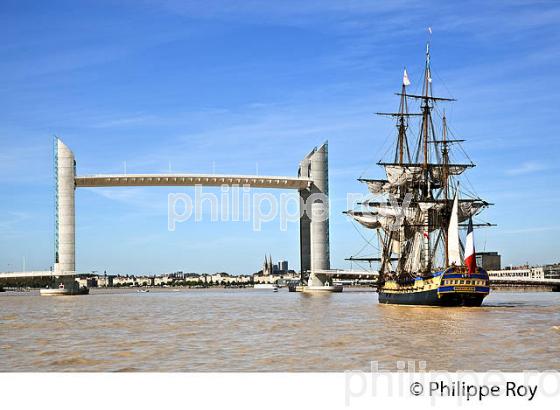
(253, 86)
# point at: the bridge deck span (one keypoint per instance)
(31, 274)
(253, 181)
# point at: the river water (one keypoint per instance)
(258, 330)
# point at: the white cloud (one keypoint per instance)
(536, 229)
(525, 168)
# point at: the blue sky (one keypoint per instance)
(235, 86)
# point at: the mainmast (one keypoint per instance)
(426, 186)
(445, 182)
(426, 109)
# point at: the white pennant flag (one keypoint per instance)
(405, 79)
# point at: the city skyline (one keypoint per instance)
(245, 90)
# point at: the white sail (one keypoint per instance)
(399, 175)
(426, 206)
(437, 171)
(414, 258)
(453, 245)
(369, 220)
(469, 209)
(395, 211)
(376, 186)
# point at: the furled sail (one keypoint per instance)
(369, 220)
(395, 211)
(376, 186)
(468, 209)
(437, 171)
(399, 175)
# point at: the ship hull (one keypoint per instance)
(451, 287)
(431, 298)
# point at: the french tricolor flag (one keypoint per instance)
(470, 253)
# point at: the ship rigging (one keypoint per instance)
(418, 207)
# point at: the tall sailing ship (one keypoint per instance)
(419, 208)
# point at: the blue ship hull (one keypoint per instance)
(452, 287)
(432, 298)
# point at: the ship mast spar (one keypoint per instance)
(426, 109)
(445, 178)
(426, 188)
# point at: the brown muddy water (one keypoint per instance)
(258, 330)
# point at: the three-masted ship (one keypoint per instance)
(419, 208)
